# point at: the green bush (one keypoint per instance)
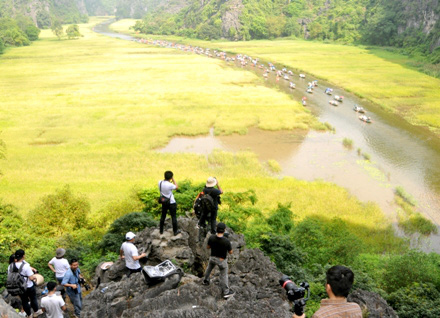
(327, 241)
(403, 270)
(408, 198)
(60, 213)
(134, 222)
(12, 236)
(416, 300)
(288, 258)
(281, 220)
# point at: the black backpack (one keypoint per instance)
(16, 283)
(204, 205)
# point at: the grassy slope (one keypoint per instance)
(380, 76)
(90, 113)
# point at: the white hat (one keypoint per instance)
(211, 182)
(129, 236)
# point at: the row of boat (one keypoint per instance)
(245, 60)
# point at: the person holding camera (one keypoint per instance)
(338, 285)
(71, 281)
(215, 194)
(130, 253)
(166, 188)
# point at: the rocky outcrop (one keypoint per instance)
(252, 276)
(6, 310)
(372, 303)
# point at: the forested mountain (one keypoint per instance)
(401, 23)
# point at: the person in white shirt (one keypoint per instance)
(130, 253)
(30, 295)
(166, 188)
(53, 304)
(59, 265)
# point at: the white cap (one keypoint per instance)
(129, 236)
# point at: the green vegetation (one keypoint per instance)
(19, 32)
(409, 220)
(348, 143)
(72, 31)
(408, 198)
(377, 22)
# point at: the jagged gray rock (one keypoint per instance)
(6, 310)
(372, 303)
(252, 275)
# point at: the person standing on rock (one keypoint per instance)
(166, 188)
(130, 253)
(30, 295)
(52, 304)
(59, 265)
(73, 287)
(215, 194)
(339, 282)
(220, 246)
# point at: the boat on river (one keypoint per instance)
(359, 109)
(310, 91)
(292, 85)
(365, 119)
(333, 103)
(328, 91)
(339, 98)
(286, 77)
(302, 76)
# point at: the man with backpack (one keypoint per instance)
(20, 282)
(167, 200)
(209, 199)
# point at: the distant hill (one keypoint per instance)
(401, 23)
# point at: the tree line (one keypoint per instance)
(371, 22)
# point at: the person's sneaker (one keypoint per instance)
(22, 314)
(38, 313)
(229, 294)
(205, 282)
(177, 232)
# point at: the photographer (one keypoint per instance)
(71, 281)
(339, 282)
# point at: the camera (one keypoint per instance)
(296, 294)
(83, 282)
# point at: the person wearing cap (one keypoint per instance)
(215, 194)
(220, 247)
(53, 304)
(30, 295)
(166, 188)
(59, 265)
(130, 253)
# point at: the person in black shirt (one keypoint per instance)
(214, 193)
(220, 246)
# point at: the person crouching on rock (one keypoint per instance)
(220, 246)
(130, 253)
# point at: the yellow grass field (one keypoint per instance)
(367, 73)
(91, 112)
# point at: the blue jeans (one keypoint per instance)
(76, 299)
(223, 266)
